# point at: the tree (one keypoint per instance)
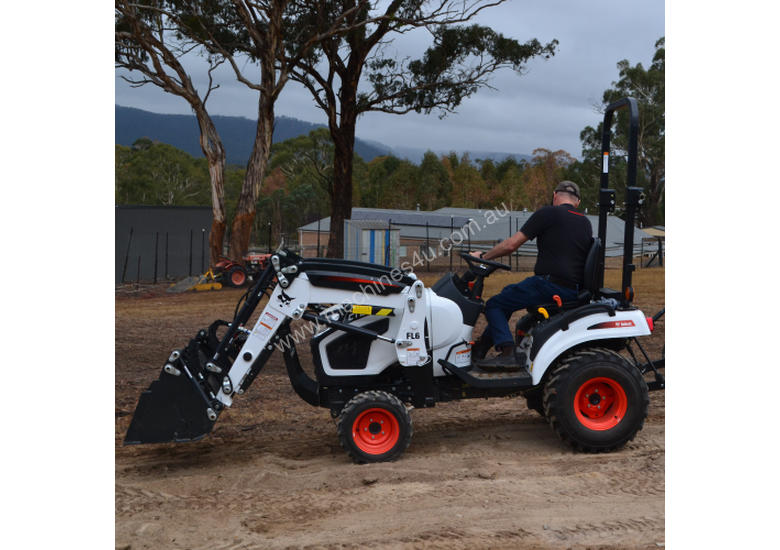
(263, 32)
(154, 173)
(159, 174)
(145, 43)
(307, 161)
(544, 173)
(647, 87)
(509, 173)
(468, 187)
(457, 64)
(435, 187)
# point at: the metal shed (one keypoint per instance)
(160, 242)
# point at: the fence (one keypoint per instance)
(431, 247)
(155, 244)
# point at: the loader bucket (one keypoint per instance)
(173, 408)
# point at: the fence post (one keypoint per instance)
(166, 255)
(203, 250)
(127, 254)
(318, 237)
(138, 272)
(469, 232)
(452, 230)
(387, 242)
(156, 242)
(510, 235)
(269, 237)
(190, 252)
(427, 248)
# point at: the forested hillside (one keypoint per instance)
(237, 133)
(296, 191)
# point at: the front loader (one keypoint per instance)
(384, 343)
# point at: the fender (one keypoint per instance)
(599, 326)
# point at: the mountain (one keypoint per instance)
(237, 133)
(415, 155)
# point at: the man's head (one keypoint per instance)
(566, 192)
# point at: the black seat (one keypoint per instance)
(590, 273)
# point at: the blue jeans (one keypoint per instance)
(530, 292)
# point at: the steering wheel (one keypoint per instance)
(473, 259)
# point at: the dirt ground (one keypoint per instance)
(478, 473)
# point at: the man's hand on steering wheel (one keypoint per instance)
(472, 257)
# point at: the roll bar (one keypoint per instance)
(634, 196)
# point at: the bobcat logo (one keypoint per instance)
(285, 299)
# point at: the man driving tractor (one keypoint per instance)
(564, 237)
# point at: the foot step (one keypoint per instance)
(477, 372)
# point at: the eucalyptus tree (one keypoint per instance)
(349, 73)
(146, 43)
(261, 41)
(647, 86)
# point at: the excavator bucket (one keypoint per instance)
(175, 407)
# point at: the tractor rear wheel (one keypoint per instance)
(236, 276)
(374, 426)
(595, 400)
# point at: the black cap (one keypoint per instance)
(569, 187)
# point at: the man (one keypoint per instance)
(563, 238)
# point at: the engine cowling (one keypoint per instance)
(446, 321)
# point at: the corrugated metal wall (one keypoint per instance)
(162, 242)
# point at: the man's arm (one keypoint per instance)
(505, 247)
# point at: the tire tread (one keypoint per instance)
(564, 370)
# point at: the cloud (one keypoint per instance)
(547, 106)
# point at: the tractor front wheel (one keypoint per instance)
(374, 426)
(595, 400)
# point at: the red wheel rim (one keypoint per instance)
(600, 404)
(375, 431)
(237, 278)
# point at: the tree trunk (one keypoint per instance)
(341, 201)
(343, 153)
(241, 229)
(649, 213)
(212, 148)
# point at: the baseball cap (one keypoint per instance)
(569, 187)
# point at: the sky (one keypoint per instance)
(547, 107)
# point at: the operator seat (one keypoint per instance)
(590, 280)
(589, 291)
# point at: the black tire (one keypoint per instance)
(235, 276)
(581, 385)
(374, 412)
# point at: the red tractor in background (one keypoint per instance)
(232, 273)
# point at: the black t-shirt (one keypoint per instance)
(563, 237)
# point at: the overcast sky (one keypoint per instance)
(546, 107)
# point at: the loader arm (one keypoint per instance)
(204, 378)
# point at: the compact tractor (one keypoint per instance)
(384, 343)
